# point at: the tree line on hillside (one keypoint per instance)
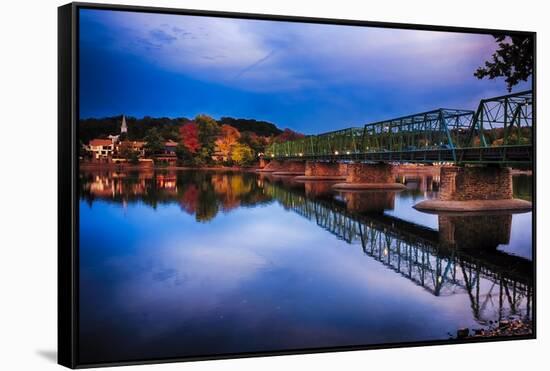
(91, 128)
(201, 141)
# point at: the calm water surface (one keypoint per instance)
(197, 263)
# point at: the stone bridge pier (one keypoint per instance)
(465, 189)
(323, 171)
(369, 176)
(291, 168)
(282, 167)
(270, 166)
(262, 163)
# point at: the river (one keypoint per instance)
(195, 263)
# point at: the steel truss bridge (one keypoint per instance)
(494, 281)
(500, 131)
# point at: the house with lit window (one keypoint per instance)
(169, 153)
(219, 155)
(101, 149)
(135, 145)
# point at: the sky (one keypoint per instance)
(311, 78)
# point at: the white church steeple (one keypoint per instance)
(124, 127)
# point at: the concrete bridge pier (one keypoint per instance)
(323, 171)
(369, 176)
(466, 189)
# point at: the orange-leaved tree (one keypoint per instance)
(227, 139)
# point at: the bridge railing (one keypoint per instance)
(335, 142)
(504, 120)
(300, 147)
(437, 129)
(346, 141)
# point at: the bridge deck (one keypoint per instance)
(513, 154)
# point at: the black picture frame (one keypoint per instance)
(68, 213)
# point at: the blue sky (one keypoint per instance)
(307, 77)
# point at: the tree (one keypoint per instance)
(91, 128)
(513, 60)
(189, 134)
(227, 139)
(208, 131)
(183, 154)
(256, 142)
(155, 142)
(126, 150)
(261, 128)
(288, 135)
(83, 152)
(242, 154)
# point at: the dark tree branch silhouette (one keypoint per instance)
(513, 59)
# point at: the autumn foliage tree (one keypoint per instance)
(242, 154)
(288, 135)
(228, 137)
(189, 134)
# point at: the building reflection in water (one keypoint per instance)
(203, 194)
(460, 257)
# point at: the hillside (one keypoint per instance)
(261, 128)
(168, 127)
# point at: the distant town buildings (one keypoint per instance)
(115, 148)
(169, 153)
(101, 149)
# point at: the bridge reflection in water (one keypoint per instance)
(460, 257)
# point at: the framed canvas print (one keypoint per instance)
(234, 185)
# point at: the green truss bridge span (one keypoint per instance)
(499, 131)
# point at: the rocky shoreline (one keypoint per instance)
(510, 327)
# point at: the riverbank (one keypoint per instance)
(137, 167)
